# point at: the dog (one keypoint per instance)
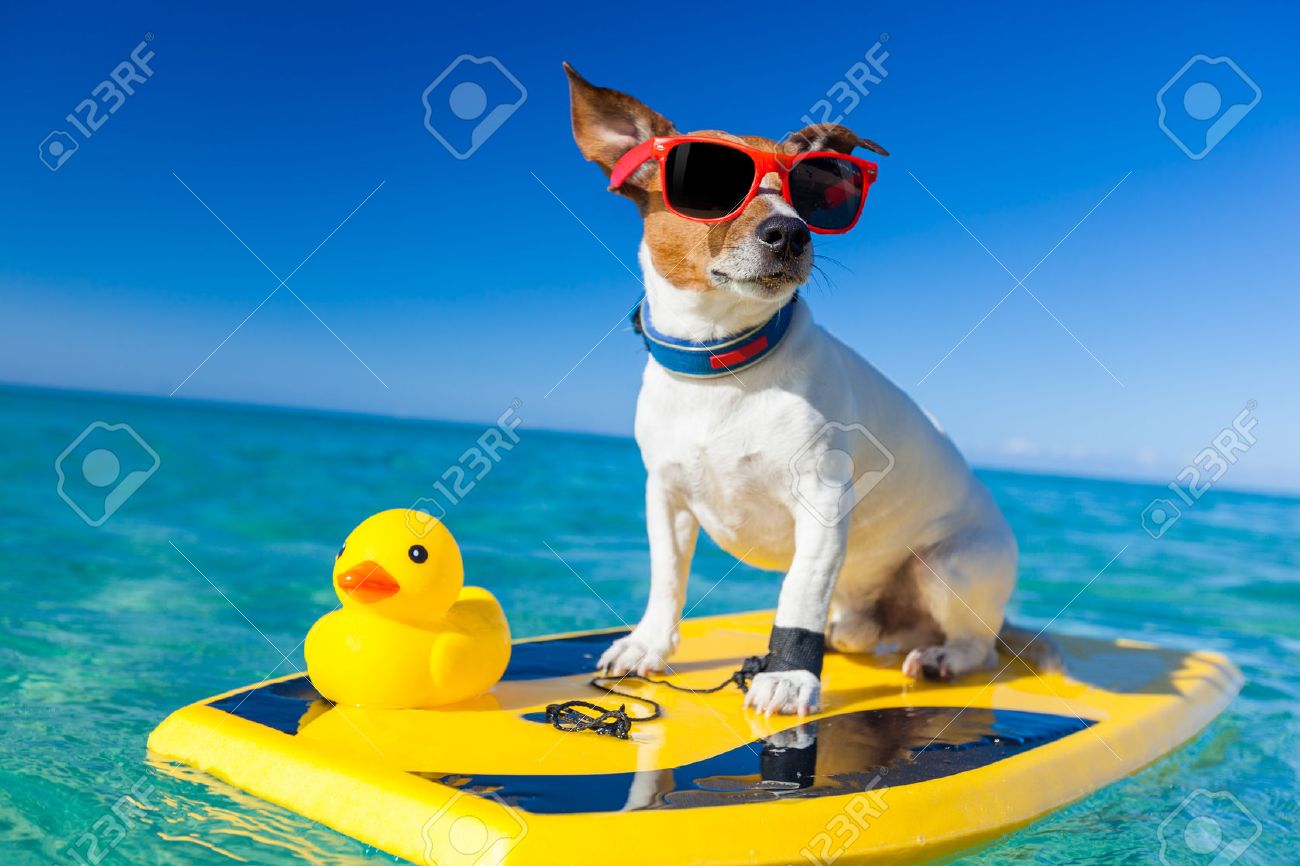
(791, 451)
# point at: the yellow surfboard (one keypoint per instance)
(892, 771)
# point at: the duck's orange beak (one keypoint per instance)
(367, 581)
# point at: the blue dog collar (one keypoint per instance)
(713, 358)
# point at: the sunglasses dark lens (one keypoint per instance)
(707, 181)
(826, 191)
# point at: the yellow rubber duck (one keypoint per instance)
(410, 633)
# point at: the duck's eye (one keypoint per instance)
(417, 553)
(339, 555)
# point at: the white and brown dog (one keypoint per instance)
(808, 461)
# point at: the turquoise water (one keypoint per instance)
(106, 630)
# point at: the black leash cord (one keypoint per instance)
(578, 715)
(741, 677)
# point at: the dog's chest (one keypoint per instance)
(721, 453)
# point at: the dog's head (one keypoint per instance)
(763, 253)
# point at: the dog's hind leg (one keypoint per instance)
(964, 584)
(852, 629)
(887, 617)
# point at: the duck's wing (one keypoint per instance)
(472, 647)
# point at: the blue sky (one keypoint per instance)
(461, 285)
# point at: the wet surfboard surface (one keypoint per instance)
(891, 771)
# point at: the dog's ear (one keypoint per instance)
(607, 124)
(828, 136)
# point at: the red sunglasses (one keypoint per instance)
(711, 181)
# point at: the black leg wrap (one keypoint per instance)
(796, 649)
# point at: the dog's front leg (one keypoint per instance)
(672, 530)
(792, 681)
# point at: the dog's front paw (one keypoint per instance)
(639, 652)
(786, 692)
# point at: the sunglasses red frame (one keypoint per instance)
(765, 162)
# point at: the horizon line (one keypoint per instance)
(288, 409)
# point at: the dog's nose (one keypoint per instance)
(784, 235)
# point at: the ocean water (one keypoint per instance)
(210, 573)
